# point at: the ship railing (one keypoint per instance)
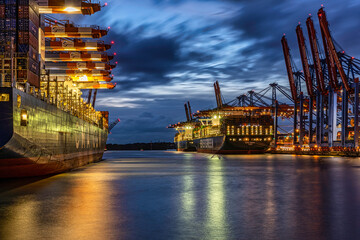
(71, 105)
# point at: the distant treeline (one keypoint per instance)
(143, 146)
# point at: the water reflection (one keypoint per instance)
(216, 220)
(270, 210)
(22, 216)
(88, 208)
(162, 195)
(67, 206)
(188, 199)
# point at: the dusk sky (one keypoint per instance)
(171, 51)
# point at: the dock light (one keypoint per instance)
(105, 4)
(114, 53)
(83, 78)
(112, 42)
(23, 117)
(71, 9)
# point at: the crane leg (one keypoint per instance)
(344, 120)
(301, 120)
(295, 123)
(356, 113)
(311, 102)
(318, 120)
(276, 124)
(331, 115)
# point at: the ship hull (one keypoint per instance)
(185, 146)
(51, 140)
(224, 145)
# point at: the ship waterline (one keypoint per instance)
(230, 145)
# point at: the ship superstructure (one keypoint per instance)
(46, 126)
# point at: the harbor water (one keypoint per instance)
(174, 195)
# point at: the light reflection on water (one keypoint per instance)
(169, 195)
(216, 221)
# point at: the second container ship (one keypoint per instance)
(226, 129)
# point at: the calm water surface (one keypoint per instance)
(170, 195)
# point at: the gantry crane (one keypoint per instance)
(328, 92)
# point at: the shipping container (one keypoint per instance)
(26, 48)
(25, 24)
(33, 79)
(10, 2)
(10, 24)
(28, 13)
(34, 66)
(10, 11)
(31, 3)
(28, 38)
(2, 11)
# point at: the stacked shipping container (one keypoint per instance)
(19, 22)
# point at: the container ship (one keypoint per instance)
(46, 125)
(226, 129)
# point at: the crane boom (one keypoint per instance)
(315, 55)
(113, 124)
(219, 94)
(331, 48)
(190, 112)
(187, 113)
(216, 95)
(94, 99)
(89, 96)
(290, 73)
(304, 60)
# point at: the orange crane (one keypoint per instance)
(315, 54)
(95, 85)
(84, 78)
(187, 112)
(332, 58)
(304, 60)
(190, 112)
(78, 57)
(71, 31)
(80, 78)
(85, 7)
(78, 66)
(290, 72)
(75, 73)
(219, 102)
(76, 45)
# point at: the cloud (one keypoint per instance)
(121, 102)
(157, 55)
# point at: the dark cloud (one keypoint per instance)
(146, 115)
(157, 55)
